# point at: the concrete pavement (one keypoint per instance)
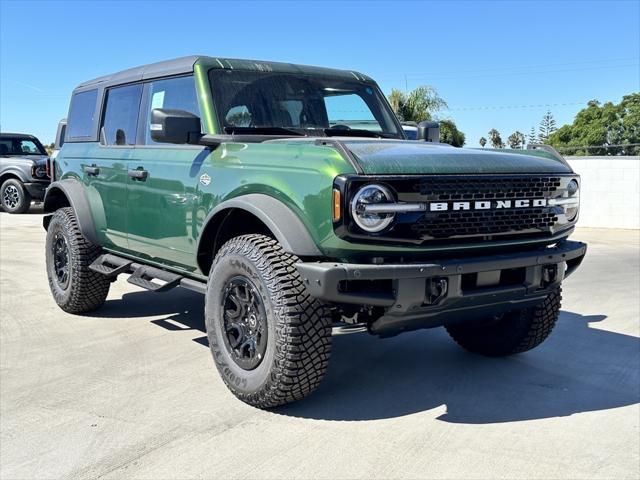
(130, 391)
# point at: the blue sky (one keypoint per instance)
(497, 64)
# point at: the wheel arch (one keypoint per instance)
(70, 193)
(253, 213)
(13, 173)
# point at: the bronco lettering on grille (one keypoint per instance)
(487, 204)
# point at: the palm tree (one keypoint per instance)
(416, 106)
(483, 142)
(495, 138)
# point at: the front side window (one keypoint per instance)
(307, 104)
(177, 93)
(121, 115)
(82, 115)
(20, 146)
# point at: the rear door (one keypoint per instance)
(106, 172)
(162, 205)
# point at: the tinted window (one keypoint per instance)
(175, 93)
(121, 115)
(20, 146)
(308, 103)
(82, 114)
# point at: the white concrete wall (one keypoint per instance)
(610, 193)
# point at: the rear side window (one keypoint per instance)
(121, 114)
(177, 93)
(82, 115)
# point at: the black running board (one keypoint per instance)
(144, 276)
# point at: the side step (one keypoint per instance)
(110, 265)
(144, 275)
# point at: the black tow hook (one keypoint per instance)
(436, 290)
(549, 274)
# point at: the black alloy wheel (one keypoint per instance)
(244, 322)
(60, 250)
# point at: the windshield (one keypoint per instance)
(265, 102)
(20, 146)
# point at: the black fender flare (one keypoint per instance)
(76, 197)
(14, 172)
(285, 225)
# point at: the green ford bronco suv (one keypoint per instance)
(291, 198)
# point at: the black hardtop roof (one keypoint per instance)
(181, 65)
(17, 135)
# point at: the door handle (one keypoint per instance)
(91, 171)
(138, 174)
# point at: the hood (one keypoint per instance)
(417, 157)
(15, 159)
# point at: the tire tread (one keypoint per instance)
(88, 289)
(303, 328)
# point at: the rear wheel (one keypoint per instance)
(513, 332)
(75, 288)
(14, 197)
(269, 339)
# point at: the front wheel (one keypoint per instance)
(513, 332)
(14, 197)
(269, 339)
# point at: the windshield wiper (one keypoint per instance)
(354, 132)
(262, 131)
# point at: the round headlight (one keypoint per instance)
(371, 222)
(571, 209)
(572, 187)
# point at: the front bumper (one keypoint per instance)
(432, 294)
(36, 189)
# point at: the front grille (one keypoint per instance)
(448, 188)
(495, 216)
(484, 222)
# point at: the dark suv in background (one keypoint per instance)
(23, 171)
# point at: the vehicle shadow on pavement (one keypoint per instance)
(183, 309)
(580, 368)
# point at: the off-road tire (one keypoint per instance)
(299, 326)
(86, 290)
(24, 198)
(514, 332)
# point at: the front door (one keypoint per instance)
(163, 197)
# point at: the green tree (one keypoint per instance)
(495, 138)
(602, 129)
(547, 127)
(483, 142)
(450, 134)
(416, 106)
(516, 140)
(532, 137)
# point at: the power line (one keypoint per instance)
(507, 107)
(506, 70)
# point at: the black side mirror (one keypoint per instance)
(174, 126)
(429, 131)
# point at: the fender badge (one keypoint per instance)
(205, 179)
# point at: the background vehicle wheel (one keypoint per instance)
(269, 339)
(514, 332)
(75, 288)
(14, 197)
